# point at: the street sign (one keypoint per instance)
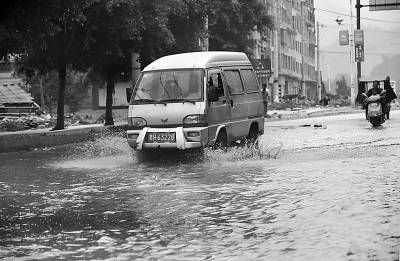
(359, 53)
(344, 37)
(381, 5)
(262, 67)
(358, 37)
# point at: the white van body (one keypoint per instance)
(170, 105)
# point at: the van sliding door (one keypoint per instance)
(219, 111)
(239, 102)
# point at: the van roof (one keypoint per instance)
(198, 60)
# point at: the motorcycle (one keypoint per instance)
(374, 111)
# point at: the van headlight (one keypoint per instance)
(136, 122)
(195, 120)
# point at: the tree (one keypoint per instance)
(50, 36)
(186, 20)
(342, 88)
(157, 39)
(231, 22)
(113, 30)
(77, 84)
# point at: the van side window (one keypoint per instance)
(215, 79)
(234, 82)
(250, 81)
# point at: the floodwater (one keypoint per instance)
(329, 192)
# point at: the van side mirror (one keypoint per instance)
(128, 94)
(212, 94)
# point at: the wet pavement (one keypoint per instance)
(315, 189)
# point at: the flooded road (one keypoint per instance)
(329, 192)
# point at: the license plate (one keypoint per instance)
(161, 137)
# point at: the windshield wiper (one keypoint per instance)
(179, 100)
(150, 101)
(162, 85)
(177, 85)
(144, 100)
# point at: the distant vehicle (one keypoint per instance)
(194, 100)
(375, 113)
(372, 105)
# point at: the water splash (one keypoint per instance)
(244, 151)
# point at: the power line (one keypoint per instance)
(365, 30)
(367, 53)
(363, 18)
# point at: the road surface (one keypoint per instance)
(323, 192)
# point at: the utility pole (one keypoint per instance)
(358, 8)
(318, 69)
(275, 87)
(303, 84)
(352, 90)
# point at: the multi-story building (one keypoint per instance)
(290, 49)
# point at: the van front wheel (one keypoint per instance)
(222, 141)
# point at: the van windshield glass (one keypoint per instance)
(169, 86)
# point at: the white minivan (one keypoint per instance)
(194, 100)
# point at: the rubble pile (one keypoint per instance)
(25, 122)
(29, 122)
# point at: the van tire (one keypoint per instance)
(253, 133)
(222, 140)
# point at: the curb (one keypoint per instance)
(299, 116)
(27, 140)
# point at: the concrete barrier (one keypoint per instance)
(30, 139)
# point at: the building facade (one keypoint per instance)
(291, 49)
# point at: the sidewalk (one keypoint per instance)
(39, 138)
(276, 115)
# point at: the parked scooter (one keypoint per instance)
(375, 113)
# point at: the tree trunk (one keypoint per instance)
(62, 72)
(109, 99)
(42, 105)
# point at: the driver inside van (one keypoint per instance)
(173, 91)
(216, 81)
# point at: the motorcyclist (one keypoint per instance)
(390, 95)
(375, 90)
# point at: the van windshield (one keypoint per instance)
(169, 86)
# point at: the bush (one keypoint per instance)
(11, 126)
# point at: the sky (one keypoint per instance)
(381, 32)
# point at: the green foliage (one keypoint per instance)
(156, 38)
(11, 126)
(231, 21)
(52, 35)
(113, 30)
(186, 20)
(77, 84)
